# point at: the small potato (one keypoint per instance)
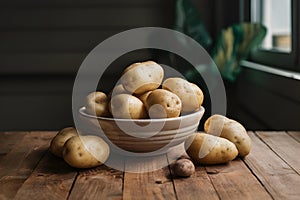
(141, 77)
(184, 168)
(190, 94)
(231, 130)
(127, 106)
(59, 140)
(208, 149)
(143, 97)
(162, 103)
(97, 104)
(85, 151)
(118, 89)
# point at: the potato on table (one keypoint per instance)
(85, 151)
(208, 149)
(184, 168)
(59, 140)
(231, 130)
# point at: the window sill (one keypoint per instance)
(271, 70)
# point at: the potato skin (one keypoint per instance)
(141, 77)
(232, 130)
(127, 106)
(191, 95)
(162, 103)
(118, 89)
(184, 168)
(208, 149)
(143, 97)
(97, 104)
(57, 143)
(85, 151)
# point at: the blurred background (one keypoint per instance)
(43, 43)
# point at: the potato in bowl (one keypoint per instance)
(146, 112)
(143, 135)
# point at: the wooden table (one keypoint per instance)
(29, 171)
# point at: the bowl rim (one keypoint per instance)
(83, 109)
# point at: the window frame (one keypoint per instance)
(277, 59)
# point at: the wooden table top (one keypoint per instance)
(29, 171)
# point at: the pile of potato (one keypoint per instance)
(79, 151)
(208, 148)
(223, 140)
(142, 93)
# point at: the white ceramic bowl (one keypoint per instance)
(144, 135)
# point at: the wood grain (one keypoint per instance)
(30, 171)
(18, 164)
(278, 178)
(295, 135)
(51, 179)
(235, 181)
(148, 185)
(198, 186)
(98, 183)
(8, 140)
(195, 187)
(283, 145)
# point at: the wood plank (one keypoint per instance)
(84, 17)
(18, 164)
(8, 140)
(98, 183)
(148, 185)
(235, 181)
(52, 179)
(281, 181)
(295, 135)
(195, 187)
(284, 146)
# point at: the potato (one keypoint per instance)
(208, 149)
(184, 168)
(59, 140)
(190, 94)
(118, 89)
(143, 97)
(141, 77)
(127, 106)
(85, 151)
(97, 104)
(161, 103)
(232, 130)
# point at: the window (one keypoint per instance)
(276, 16)
(280, 47)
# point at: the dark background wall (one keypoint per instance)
(42, 44)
